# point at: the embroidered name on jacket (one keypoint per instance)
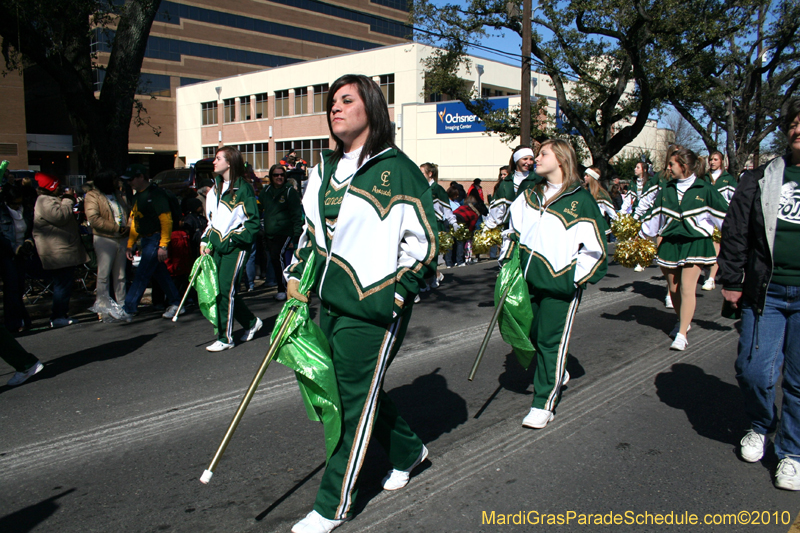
(571, 209)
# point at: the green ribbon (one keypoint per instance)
(305, 350)
(205, 283)
(516, 318)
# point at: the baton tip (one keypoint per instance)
(206, 477)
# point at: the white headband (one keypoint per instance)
(522, 152)
(592, 173)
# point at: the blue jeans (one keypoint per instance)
(150, 267)
(249, 277)
(63, 278)
(768, 342)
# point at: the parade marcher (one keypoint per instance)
(636, 189)
(150, 225)
(726, 185)
(560, 234)
(282, 215)
(371, 224)
(512, 186)
(760, 275)
(107, 212)
(16, 246)
(684, 215)
(444, 213)
(591, 179)
(58, 243)
(24, 364)
(232, 213)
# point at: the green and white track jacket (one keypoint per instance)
(385, 241)
(725, 184)
(233, 220)
(441, 206)
(505, 196)
(695, 216)
(561, 246)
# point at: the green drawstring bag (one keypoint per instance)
(205, 283)
(305, 350)
(516, 318)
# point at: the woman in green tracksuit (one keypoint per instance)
(726, 185)
(233, 222)
(562, 246)
(684, 215)
(371, 226)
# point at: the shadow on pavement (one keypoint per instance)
(714, 408)
(28, 518)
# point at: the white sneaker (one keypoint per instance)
(565, 379)
(171, 310)
(787, 476)
(638, 268)
(752, 446)
(668, 302)
(21, 377)
(709, 285)
(218, 346)
(439, 277)
(120, 314)
(397, 479)
(250, 333)
(417, 299)
(677, 328)
(316, 523)
(537, 418)
(281, 296)
(680, 343)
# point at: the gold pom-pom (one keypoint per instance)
(625, 227)
(460, 232)
(717, 235)
(445, 242)
(635, 252)
(484, 239)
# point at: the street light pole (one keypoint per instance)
(525, 93)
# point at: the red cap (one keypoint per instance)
(46, 181)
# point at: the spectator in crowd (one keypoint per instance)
(462, 194)
(151, 225)
(616, 196)
(58, 243)
(476, 190)
(759, 270)
(202, 190)
(16, 245)
(107, 212)
(282, 213)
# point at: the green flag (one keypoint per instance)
(516, 318)
(205, 283)
(305, 350)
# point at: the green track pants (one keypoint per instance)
(229, 302)
(550, 332)
(362, 351)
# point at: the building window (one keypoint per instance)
(209, 113)
(244, 108)
(255, 155)
(282, 103)
(321, 98)
(261, 106)
(153, 84)
(209, 152)
(387, 88)
(301, 101)
(230, 110)
(308, 150)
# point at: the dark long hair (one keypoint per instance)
(234, 158)
(380, 126)
(104, 181)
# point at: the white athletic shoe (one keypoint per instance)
(316, 523)
(566, 378)
(668, 302)
(219, 346)
(752, 446)
(417, 299)
(709, 285)
(787, 476)
(677, 329)
(397, 479)
(638, 268)
(537, 418)
(680, 343)
(21, 377)
(250, 333)
(171, 310)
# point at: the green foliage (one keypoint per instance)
(623, 166)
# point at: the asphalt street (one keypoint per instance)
(115, 432)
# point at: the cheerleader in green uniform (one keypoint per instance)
(684, 215)
(444, 214)
(726, 185)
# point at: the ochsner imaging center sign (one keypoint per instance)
(453, 117)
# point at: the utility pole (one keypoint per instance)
(525, 93)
